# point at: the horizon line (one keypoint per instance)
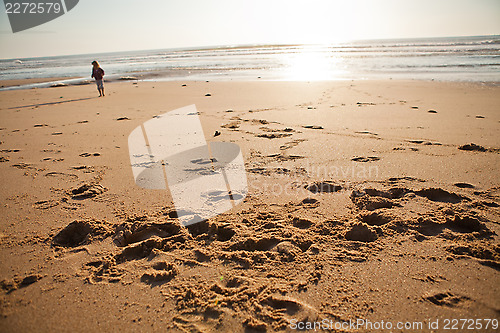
(252, 45)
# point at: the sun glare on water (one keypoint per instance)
(312, 64)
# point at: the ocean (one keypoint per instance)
(473, 59)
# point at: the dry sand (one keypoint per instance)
(361, 206)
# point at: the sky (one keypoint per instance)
(96, 26)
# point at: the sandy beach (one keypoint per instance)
(368, 201)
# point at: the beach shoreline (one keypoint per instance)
(61, 82)
(367, 200)
(471, 58)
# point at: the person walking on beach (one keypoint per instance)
(98, 74)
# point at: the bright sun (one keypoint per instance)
(312, 63)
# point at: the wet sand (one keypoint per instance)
(21, 82)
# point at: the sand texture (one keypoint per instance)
(373, 200)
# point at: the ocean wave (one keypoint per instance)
(465, 55)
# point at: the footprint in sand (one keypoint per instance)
(70, 205)
(23, 166)
(425, 143)
(45, 204)
(273, 135)
(485, 254)
(139, 231)
(279, 170)
(61, 175)
(285, 157)
(440, 195)
(46, 159)
(259, 121)
(105, 198)
(291, 144)
(365, 159)
(361, 232)
(446, 299)
(225, 232)
(231, 125)
(375, 218)
(301, 224)
(365, 132)
(313, 127)
(309, 202)
(323, 187)
(89, 154)
(81, 232)
(17, 283)
(467, 224)
(55, 151)
(472, 147)
(163, 273)
(82, 167)
(290, 306)
(86, 191)
(364, 103)
(463, 185)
